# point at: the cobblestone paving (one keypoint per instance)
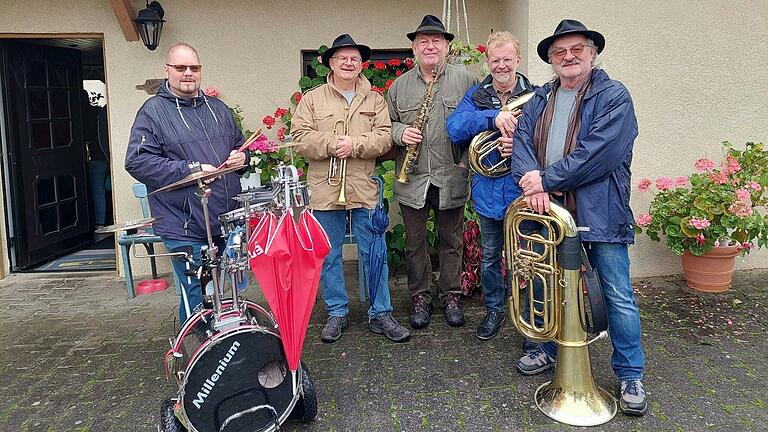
(77, 355)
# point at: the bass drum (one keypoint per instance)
(232, 380)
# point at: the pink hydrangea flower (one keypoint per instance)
(732, 165)
(718, 177)
(755, 185)
(644, 219)
(664, 183)
(681, 180)
(742, 194)
(741, 209)
(704, 164)
(699, 223)
(211, 92)
(644, 184)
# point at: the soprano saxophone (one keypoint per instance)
(412, 154)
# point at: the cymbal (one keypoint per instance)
(128, 225)
(194, 177)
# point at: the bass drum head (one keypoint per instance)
(240, 378)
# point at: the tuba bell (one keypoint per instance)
(484, 157)
(551, 257)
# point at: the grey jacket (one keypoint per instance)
(436, 164)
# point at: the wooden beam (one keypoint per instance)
(124, 13)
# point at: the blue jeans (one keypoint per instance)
(194, 293)
(334, 288)
(492, 241)
(612, 263)
(98, 171)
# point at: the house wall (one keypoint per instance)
(250, 50)
(696, 72)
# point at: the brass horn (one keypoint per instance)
(551, 257)
(485, 144)
(337, 168)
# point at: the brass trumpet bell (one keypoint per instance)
(551, 257)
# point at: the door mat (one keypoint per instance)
(84, 260)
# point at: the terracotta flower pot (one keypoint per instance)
(712, 271)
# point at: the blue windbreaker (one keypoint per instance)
(168, 134)
(598, 169)
(477, 113)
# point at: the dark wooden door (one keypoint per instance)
(43, 89)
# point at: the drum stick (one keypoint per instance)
(245, 145)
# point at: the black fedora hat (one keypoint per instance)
(567, 27)
(345, 41)
(430, 24)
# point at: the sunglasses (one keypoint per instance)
(183, 68)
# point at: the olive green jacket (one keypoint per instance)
(435, 164)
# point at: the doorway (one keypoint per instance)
(55, 154)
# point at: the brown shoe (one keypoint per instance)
(454, 316)
(421, 311)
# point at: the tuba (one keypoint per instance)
(337, 168)
(553, 259)
(486, 143)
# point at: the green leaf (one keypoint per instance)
(322, 70)
(305, 82)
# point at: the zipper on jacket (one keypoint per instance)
(210, 144)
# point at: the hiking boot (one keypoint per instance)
(387, 325)
(421, 310)
(490, 325)
(530, 346)
(454, 316)
(333, 327)
(632, 398)
(535, 362)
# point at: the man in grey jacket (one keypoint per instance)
(439, 180)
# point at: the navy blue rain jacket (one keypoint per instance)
(168, 134)
(598, 169)
(477, 113)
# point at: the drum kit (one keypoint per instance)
(228, 358)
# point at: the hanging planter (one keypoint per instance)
(711, 272)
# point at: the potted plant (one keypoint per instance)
(715, 213)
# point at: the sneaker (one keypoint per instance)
(490, 325)
(530, 346)
(535, 362)
(387, 325)
(333, 327)
(454, 316)
(421, 310)
(632, 398)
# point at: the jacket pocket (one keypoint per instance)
(323, 118)
(408, 108)
(458, 181)
(450, 103)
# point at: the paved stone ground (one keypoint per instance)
(77, 355)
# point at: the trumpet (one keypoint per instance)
(551, 258)
(337, 168)
(487, 143)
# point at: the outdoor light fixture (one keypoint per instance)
(150, 21)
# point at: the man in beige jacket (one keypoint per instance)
(344, 124)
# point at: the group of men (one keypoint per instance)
(573, 141)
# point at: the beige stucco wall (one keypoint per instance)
(250, 50)
(696, 71)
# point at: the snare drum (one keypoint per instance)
(238, 217)
(236, 377)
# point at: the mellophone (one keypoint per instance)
(228, 358)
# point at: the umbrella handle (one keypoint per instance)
(381, 189)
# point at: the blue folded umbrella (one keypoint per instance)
(377, 254)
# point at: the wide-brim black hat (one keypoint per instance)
(567, 27)
(345, 41)
(430, 25)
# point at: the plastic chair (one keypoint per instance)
(146, 238)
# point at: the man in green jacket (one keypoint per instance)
(438, 181)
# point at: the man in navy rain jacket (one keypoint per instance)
(575, 138)
(480, 110)
(174, 130)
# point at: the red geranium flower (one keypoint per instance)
(366, 64)
(394, 62)
(380, 65)
(481, 48)
(280, 112)
(281, 133)
(377, 89)
(296, 97)
(389, 83)
(268, 121)
(409, 63)
(398, 72)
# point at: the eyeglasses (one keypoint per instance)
(353, 60)
(576, 50)
(507, 61)
(183, 68)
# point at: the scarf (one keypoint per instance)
(541, 133)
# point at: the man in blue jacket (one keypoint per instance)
(174, 131)
(479, 111)
(575, 138)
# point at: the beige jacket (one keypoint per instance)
(369, 126)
